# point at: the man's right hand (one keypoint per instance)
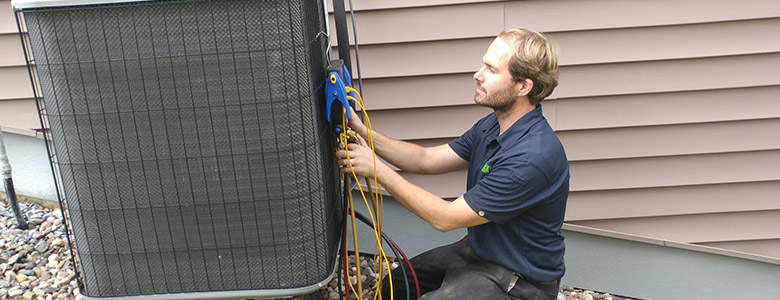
(357, 125)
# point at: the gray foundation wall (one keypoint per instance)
(30, 166)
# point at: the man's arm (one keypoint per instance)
(441, 214)
(408, 156)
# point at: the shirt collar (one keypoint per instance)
(521, 126)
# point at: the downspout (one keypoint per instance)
(5, 172)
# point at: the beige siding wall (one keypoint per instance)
(18, 113)
(668, 110)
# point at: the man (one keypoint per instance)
(518, 183)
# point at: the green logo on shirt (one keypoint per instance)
(486, 168)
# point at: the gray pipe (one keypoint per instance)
(5, 166)
(10, 193)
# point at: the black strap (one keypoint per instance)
(341, 33)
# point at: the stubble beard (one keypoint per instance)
(500, 100)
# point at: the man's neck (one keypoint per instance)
(509, 116)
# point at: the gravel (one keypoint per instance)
(368, 282)
(35, 263)
(572, 293)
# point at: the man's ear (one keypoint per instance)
(524, 87)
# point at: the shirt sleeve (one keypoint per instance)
(463, 145)
(507, 191)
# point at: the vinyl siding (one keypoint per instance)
(7, 21)
(18, 113)
(668, 109)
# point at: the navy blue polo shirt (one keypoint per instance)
(520, 182)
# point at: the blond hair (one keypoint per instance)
(536, 58)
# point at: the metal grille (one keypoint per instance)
(190, 143)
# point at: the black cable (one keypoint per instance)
(342, 37)
(357, 51)
(341, 262)
(343, 239)
(363, 218)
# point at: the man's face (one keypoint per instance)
(495, 87)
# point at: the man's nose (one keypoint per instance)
(478, 74)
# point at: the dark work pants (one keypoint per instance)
(455, 272)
